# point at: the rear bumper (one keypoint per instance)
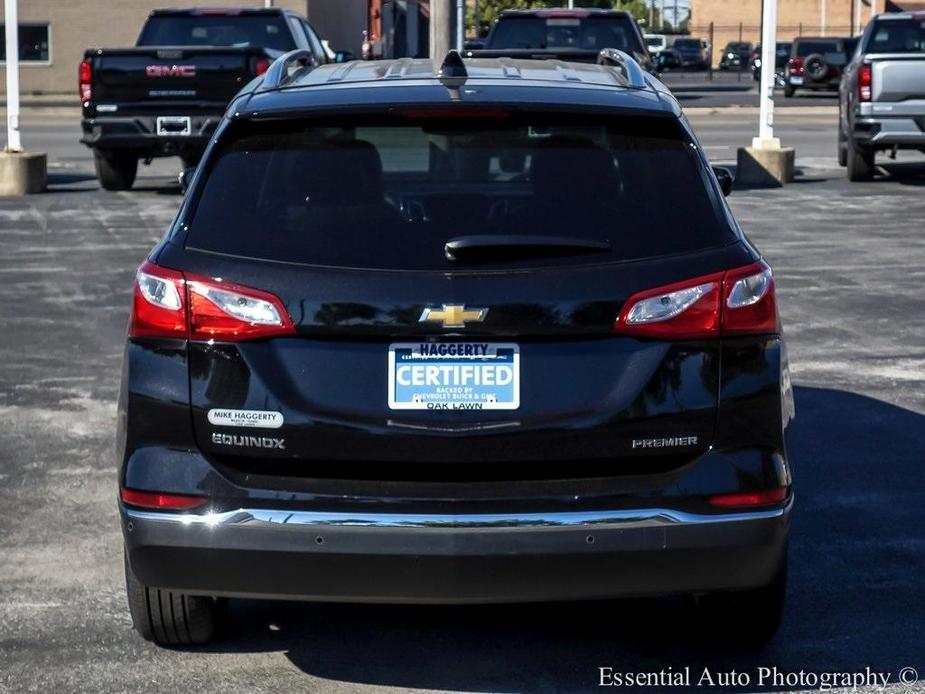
(901, 131)
(140, 132)
(434, 558)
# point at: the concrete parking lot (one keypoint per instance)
(850, 267)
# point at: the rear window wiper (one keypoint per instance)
(515, 247)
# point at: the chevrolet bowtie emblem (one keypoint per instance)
(453, 316)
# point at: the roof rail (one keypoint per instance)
(634, 74)
(278, 73)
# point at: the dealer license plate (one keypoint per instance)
(454, 376)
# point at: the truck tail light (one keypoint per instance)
(795, 66)
(736, 302)
(168, 303)
(261, 66)
(865, 82)
(84, 80)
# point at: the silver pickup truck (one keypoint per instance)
(882, 93)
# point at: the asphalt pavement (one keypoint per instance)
(850, 266)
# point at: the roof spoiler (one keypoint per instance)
(632, 72)
(278, 74)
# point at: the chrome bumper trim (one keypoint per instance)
(633, 518)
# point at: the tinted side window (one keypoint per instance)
(383, 194)
(805, 48)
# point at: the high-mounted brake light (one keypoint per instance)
(84, 80)
(865, 82)
(168, 303)
(217, 11)
(737, 302)
(161, 501)
(746, 499)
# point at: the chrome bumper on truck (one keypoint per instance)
(431, 558)
(886, 124)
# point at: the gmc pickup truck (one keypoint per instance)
(882, 95)
(165, 96)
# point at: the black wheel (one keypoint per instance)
(789, 90)
(748, 618)
(860, 163)
(842, 149)
(115, 170)
(169, 618)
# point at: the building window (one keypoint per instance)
(34, 42)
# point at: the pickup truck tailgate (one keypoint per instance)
(898, 77)
(175, 74)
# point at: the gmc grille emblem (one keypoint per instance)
(170, 71)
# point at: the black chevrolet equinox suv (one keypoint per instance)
(480, 331)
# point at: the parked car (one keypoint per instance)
(667, 60)
(655, 43)
(165, 96)
(882, 96)
(781, 55)
(402, 346)
(573, 35)
(692, 53)
(814, 64)
(735, 55)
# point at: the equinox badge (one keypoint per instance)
(453, 315)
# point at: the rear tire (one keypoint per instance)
(789, 90)
(842, 149)
(860, 163)
(115, 169)
(751, 617)
(168, 618)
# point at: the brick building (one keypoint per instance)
(734, 20)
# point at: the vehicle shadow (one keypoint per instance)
(857, 554)
(909, 173)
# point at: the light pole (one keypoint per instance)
(11, 17)
(766, 163)
(460, 24)
(766, 137)
(822, 18)
(20, 172)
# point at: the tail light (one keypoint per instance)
(746, 499)
(865, 82)
(168, 303)
(736, 302)
(795, 66)
(161, 501)
(261, 66)
(84, 80)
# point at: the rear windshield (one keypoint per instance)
(687, 43)
(565, 33)
(805, 48)
(217, 30)
(391, 194)
(898, 36)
